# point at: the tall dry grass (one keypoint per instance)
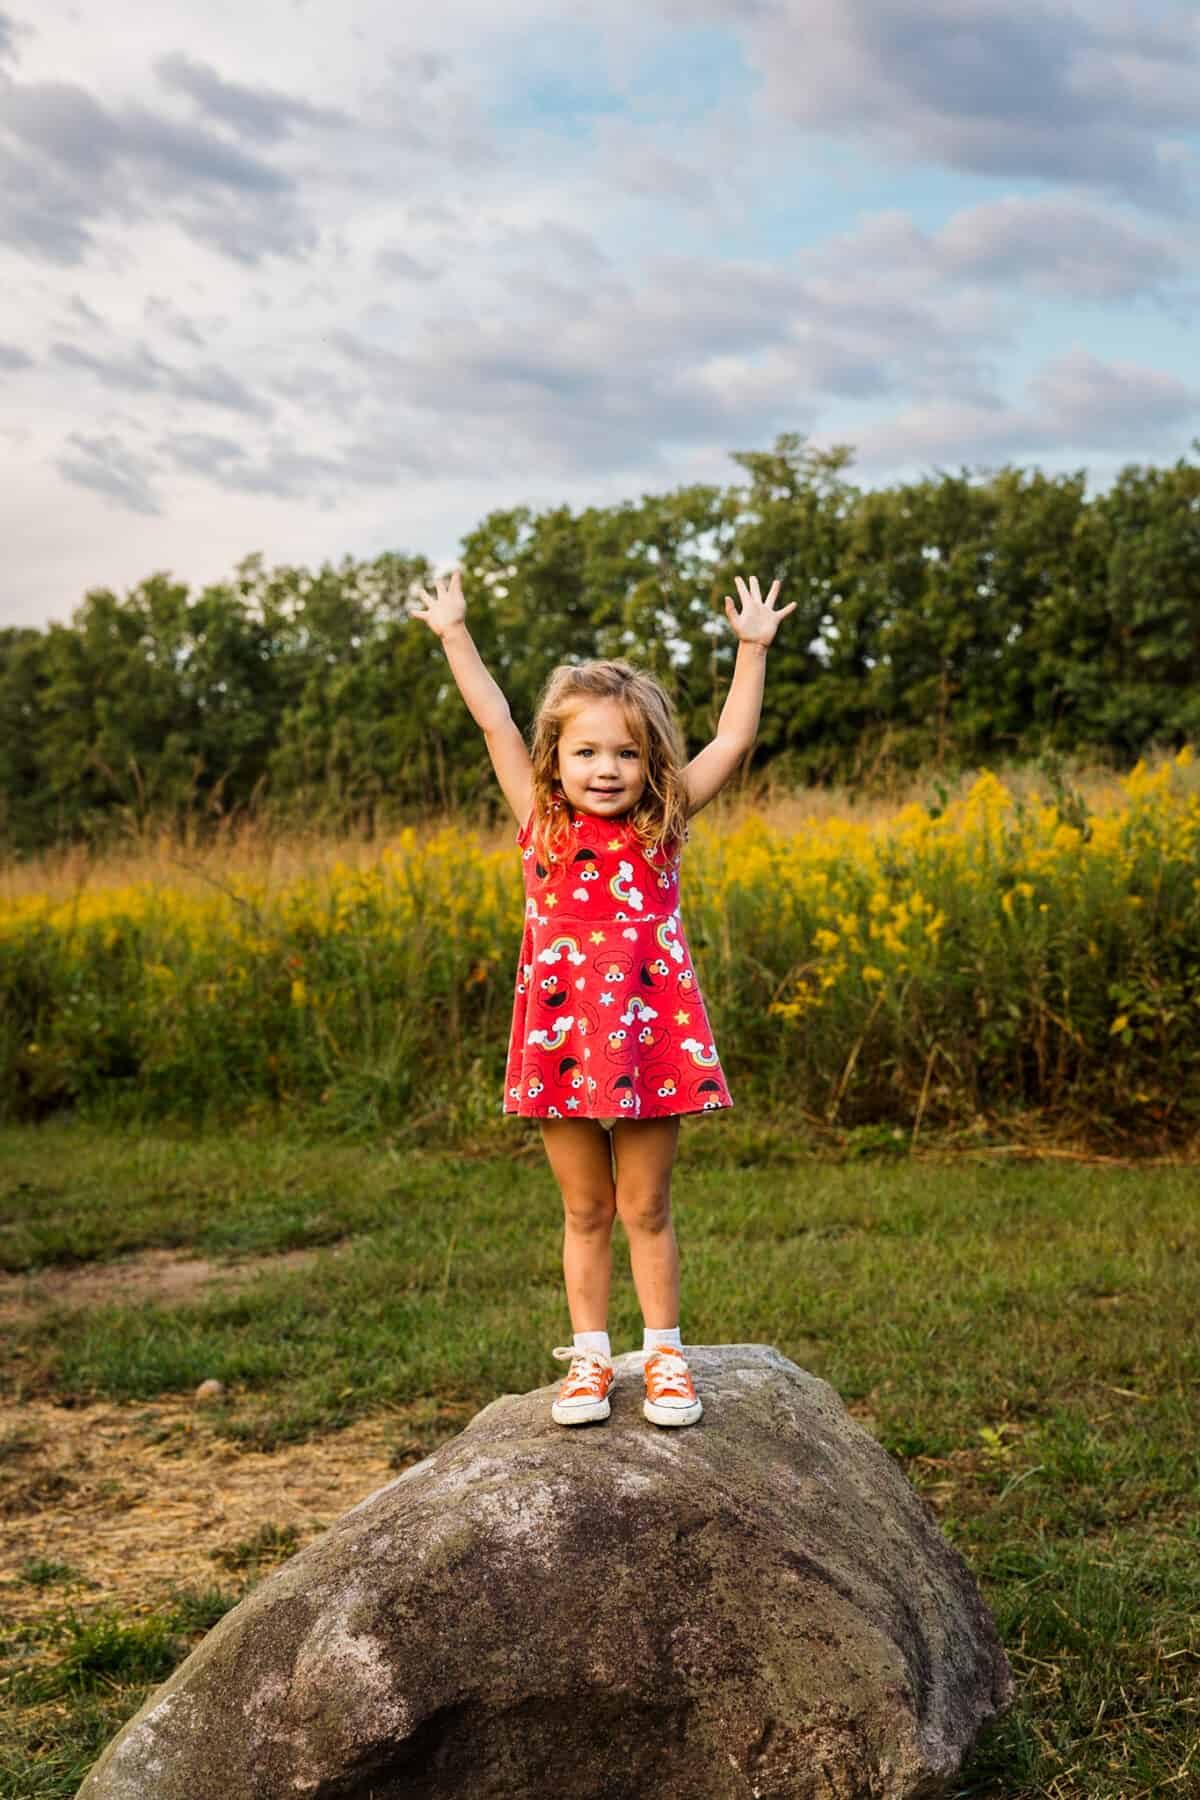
(205, 853)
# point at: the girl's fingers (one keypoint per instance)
(785, 610)
(751, 592)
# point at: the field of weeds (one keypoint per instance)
(1021, 948)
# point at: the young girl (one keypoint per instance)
(610, 1041)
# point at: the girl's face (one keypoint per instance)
(600, 767)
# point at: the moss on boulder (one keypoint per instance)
(757, 1605)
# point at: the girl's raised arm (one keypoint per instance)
(446, 616)
(737, 727)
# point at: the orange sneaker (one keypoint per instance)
(583, 1396)
(670, 1391)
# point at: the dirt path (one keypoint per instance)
(142, 1497)
(172, 1276)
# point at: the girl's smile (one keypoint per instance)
(600, 766)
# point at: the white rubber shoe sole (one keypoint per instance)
(671, 1415)
(580, 1412)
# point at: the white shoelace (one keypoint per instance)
(591, 1364)
(671, 1383)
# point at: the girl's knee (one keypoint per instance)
(645, 1208)
(589, 1212)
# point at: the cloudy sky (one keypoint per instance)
(320, 279)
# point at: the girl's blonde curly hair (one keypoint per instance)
(659, 819)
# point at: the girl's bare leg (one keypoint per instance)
(581, 1158)
(645, 1155)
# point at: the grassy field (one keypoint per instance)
(1023, 1337)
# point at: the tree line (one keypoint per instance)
(956, 619)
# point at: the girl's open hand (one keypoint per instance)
(758, 621)
(444, 610)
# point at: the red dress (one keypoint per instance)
(608, 1019)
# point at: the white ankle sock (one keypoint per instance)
(593, 1340)
(659, 1340)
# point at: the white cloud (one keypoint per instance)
(1075, 404)
(1082, 94)
(109, 467)
(1062, 245)
(282, 280)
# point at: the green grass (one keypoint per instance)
(70, 1682)
(1023, 1338)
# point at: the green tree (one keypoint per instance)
(24, 821)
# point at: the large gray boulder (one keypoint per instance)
(759, 1604)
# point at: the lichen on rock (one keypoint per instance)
(759, 1605)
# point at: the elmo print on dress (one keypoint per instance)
(608, 1018)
